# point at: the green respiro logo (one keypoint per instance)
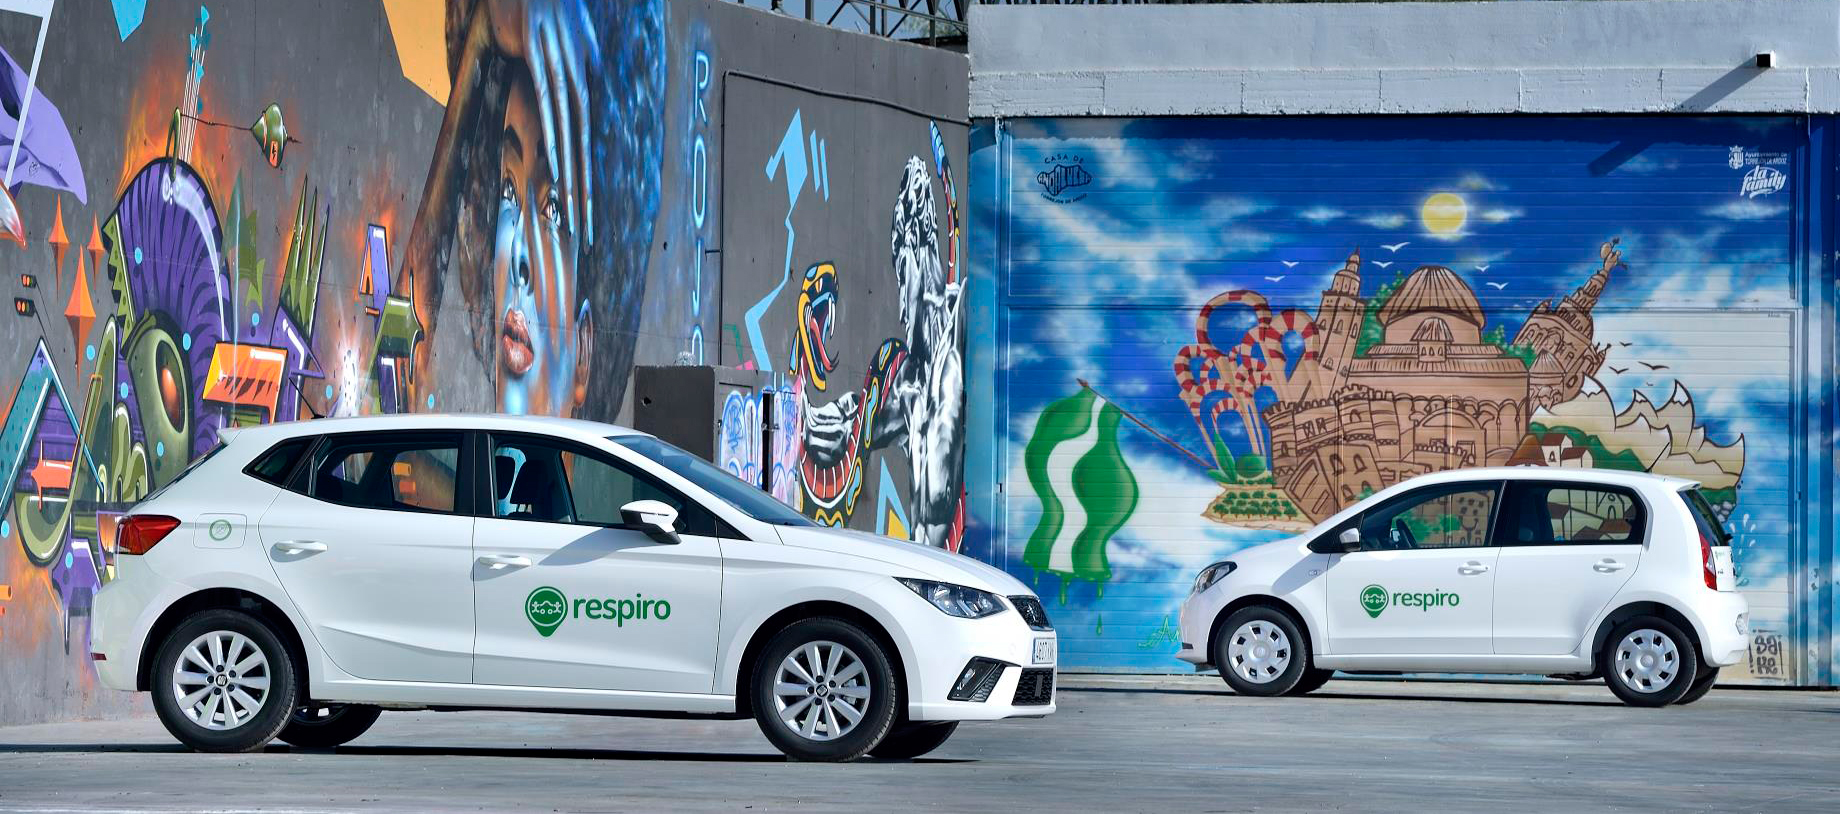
(1373, 600)
(546, 607)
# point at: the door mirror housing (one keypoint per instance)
(653, 517)
(1350, 539)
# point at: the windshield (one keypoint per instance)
(713, 479)
(1705, 518)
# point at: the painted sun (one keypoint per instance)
(1444, 213)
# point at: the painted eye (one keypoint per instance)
(507, 191)
(552, 213)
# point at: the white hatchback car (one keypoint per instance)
(302, 577)
(1572, 573)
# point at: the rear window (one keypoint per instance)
(1705, 518)
(275, 465)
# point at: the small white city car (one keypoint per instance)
(301, 578)
(1572, 573)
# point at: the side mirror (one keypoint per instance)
(652, 517)
(1350, 539)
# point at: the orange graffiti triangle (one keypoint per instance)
(59, 242)
(94, 247)
(78, 309)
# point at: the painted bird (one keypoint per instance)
(1396, 246)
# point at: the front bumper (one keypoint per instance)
(1194, 622)
(1020, 690)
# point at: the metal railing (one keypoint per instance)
(935, 22)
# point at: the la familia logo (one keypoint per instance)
(1373, 600)
(1064, 172)
(1762, 180)
(547, 608)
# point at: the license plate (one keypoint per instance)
(1044, 651)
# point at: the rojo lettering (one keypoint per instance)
(547, 608)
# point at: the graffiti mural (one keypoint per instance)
(531, 207)
(1236, 329)
(892, 440)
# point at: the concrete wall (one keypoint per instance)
(1550, 57)
(378, 244)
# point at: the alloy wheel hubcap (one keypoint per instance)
(1647, 661)
(1258, 652)
(821, 691)
(221, 680)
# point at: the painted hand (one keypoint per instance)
(828, 428)
(564, 53)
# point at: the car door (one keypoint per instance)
(1423, 581)
(567, 596)
(1566, 549)
(372, 544)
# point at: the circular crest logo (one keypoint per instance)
(546, 608)
(1373, 600)
(220, 529)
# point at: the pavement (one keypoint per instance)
(1118, 744)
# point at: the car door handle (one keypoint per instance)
(299, 547)
(500, 562)
(1472, 568)
(1608, 566)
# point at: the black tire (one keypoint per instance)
(1702, 684)
(274, 702)
(912, 740)
(1286, 653)
(876, 715)
(1668, 674)
(1313, 680)
(323, 726)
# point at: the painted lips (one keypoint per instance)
(515, 349)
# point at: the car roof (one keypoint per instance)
(545, 425)
(1609, 476)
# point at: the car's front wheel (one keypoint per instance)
(824, 690)
(914, 739)
(1649, 662)
(323, 726)
(223, 682)
(1260, 651)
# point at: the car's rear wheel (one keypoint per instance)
(1313, 680)
(912, 740)
(1702, 684)
(1261, 652)
(223, 682)
(323, 726)
(1649, 662)
(824, 690)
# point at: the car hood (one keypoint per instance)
(905, 559)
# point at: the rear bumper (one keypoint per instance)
(1722, 619)
(124, 613)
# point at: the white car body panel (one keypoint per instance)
(385, 615)
(1547, 608)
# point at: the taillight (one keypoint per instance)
(1710, 571)
(141, 532)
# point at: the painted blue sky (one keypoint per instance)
(1102, 281)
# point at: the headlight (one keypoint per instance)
(957, 600)
(1212, 574)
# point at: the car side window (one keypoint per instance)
(554, 482)
(1440, 517)
(1571, 514)
(397, 472)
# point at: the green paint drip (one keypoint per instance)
(1099, 625)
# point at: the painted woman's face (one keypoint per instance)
(544, 332)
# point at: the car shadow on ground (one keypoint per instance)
(445, 751)
(1363, 696)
